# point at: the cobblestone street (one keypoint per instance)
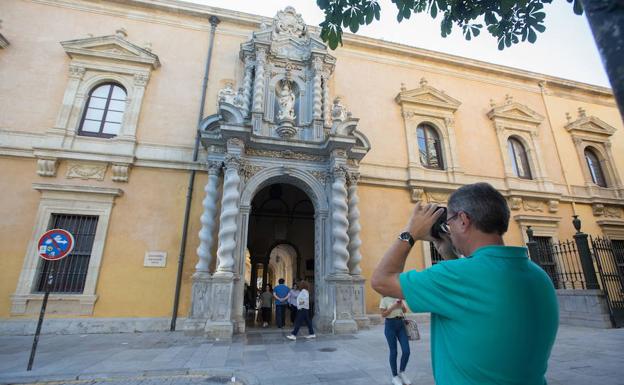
(581, 356)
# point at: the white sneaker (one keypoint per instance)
(265, 324)
(396, 380)
(405, 379)
(291, 337)
(311, 336)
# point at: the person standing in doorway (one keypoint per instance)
(393, 310)
(280, 293)
(266, 303)
(303, 312)
(292, 302)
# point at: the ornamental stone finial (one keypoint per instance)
(492, 104)
(508, 99)
(423, 82)
(568, 117)
(581, 112)
(122, 33)
(403, 88)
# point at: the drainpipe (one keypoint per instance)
(542, 86)
(189, 191)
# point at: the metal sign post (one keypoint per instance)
(53, 245)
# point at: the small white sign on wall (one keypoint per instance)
(155, 259)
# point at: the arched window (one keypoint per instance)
(593, 163)
(430, 147)
(519, 158)
(104, 111)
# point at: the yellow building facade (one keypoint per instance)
(307, 163)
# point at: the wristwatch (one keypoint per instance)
(407, 237)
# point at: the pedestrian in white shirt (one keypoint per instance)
(292, 302)
(303, 312)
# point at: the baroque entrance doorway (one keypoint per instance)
(280, 241)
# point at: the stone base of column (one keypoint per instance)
(359, 303)
(220, 323)
(222, 330)
(200, 304)
(341, 289)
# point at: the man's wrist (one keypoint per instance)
(407, 238)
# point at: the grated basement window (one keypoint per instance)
(70, 273)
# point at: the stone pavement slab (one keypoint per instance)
(581, 356)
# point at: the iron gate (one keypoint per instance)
(609, 257)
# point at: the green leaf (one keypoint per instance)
(476, 31)
(369, 17)
(354, 25)
(399, 17)
(434, 10)
(532, 36)
(323, 4)
(540, 27)
(501, 44)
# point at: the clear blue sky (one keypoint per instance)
(566, 49)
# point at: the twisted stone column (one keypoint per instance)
(354, 226)
(247, 84)
(258, 95)
(229, 212)
(340, 224)
(207, 218)
(326, 101)
(316, 101)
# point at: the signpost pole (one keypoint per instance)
(41, 315)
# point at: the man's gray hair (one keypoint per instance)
(484, 205)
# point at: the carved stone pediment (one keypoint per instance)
(590, 125)
(515, 112)
(428, 96)
(110, 47)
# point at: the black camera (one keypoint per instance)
(439, 225)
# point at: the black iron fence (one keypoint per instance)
(583, 263)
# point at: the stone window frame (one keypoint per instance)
(590, 131)
(542, 226)
(612, 228)
(95, 61)
(428, 105)
(72, 200)
(524, 158)
(513, 119)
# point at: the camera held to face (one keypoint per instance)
(440, 226)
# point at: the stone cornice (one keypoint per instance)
(115, 192)
(376, 45)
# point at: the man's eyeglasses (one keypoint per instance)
(445, 226)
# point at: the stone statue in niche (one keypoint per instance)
(286, 110)
(286, 100)
(226, 94)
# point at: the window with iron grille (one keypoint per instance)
(546, 254)
(70, 272)
(435, 256)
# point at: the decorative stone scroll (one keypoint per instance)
(86, 171)
(46, 167)
(286, 154)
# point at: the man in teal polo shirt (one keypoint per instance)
(494, 313)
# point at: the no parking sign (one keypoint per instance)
(55, 244)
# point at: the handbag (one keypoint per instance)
(412, 330)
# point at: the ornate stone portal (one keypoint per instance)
(281, 127)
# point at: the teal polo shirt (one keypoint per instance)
(494, 317)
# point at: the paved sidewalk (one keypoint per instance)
(581, 356)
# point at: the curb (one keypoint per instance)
(242, 378)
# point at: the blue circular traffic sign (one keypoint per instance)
(55, 244)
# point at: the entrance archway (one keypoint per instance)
(280, 240)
